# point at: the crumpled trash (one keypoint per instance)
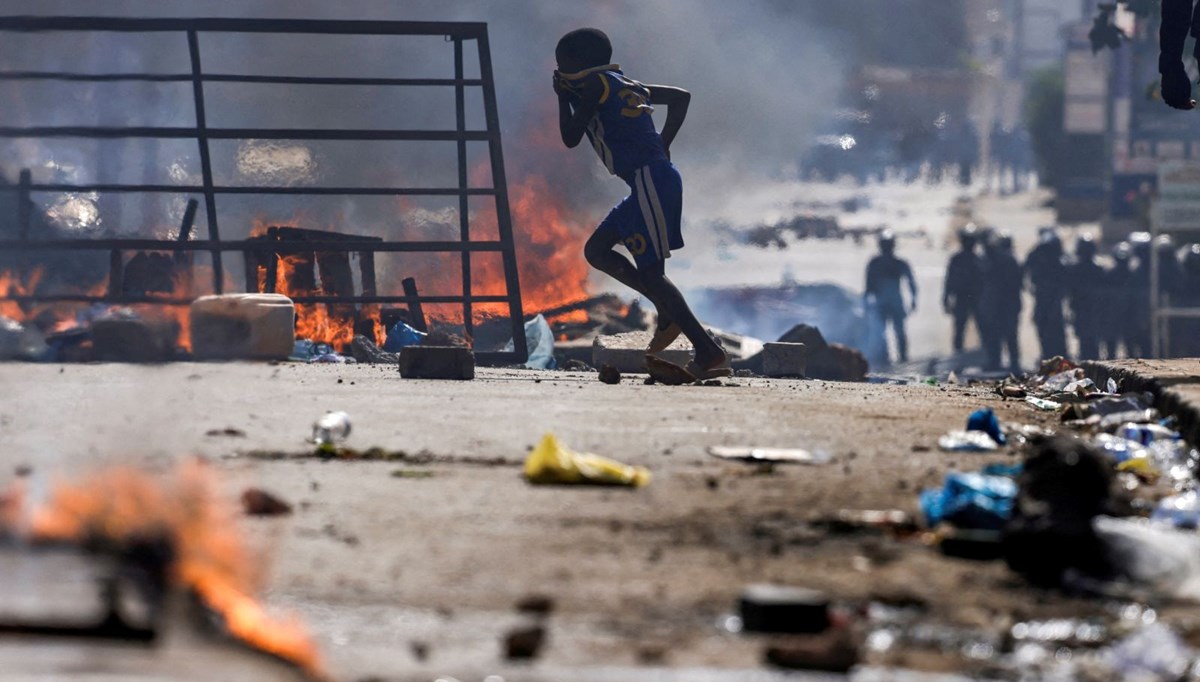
(309, 351)
(1120, 449)
(539, 339)
(1153, 556)
(1111, 385)
(1043, 404)
(1064, 484)
(772, 455)
(970, 500)
(967, 441)
(1151, 653)
(1059, 383)
(332, 428)
(18, 342)
(401, 335)
(553, 462)
(985, 420)
(1146, 434)
(1179, 511)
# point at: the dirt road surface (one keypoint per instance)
(410, 569)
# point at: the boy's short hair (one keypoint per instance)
(587, 46)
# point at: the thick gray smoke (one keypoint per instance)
(761, 78)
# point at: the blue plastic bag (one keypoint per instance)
(970, 500)
(402, 335)
(985, 420)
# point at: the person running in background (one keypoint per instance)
(598, 101)
(885, 276)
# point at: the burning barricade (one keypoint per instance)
(167, 558)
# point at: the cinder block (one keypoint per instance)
(785, 359)
(437, 362)
(122, 339)
(627, 352)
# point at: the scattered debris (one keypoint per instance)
(401, 335)
(985, 420)
(331, 429)
(970, 501)
(747, 453)
(364, 350)
(227, 431)
(967, 441)
(610, 375)
(552, 462)
(524, 643)
(667, 372)
(258, 502)
(834, 651)
(1043, 404)
(243, 326)
(577, 365)
(411, 473)
(539, 341)
(783, 609)
(1064, 484)
(540, 605)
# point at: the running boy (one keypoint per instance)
(597, 100)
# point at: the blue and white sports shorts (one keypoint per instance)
(648, 220)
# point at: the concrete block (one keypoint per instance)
(125, 339)
(784, 359)
(626, 352)
(437, 362)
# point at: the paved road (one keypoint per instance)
(377, 562)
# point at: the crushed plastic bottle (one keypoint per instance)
(1043, 404)
(331, 429)
(1147, 433)
(1120, 449)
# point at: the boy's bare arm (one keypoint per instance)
(1176, 85)
(676, 100)
(576, 107)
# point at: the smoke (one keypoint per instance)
(761, 78)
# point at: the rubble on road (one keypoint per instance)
(822, 360)
(259, 502)
(772, 455)
(437, 362)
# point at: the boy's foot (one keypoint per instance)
(664, 335)
(711, 368)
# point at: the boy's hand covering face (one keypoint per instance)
(1177, 89)
(562, 86)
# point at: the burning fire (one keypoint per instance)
(60, 317)
(121, 505)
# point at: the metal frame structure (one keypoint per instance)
(192, 29)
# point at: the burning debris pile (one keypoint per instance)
(171, 542)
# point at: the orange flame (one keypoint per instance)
(121, 504)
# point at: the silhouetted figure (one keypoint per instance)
(1000, 303)
(1118, 298)
(1177, 21)
(964, 283)
(1185, 333)
(1087, 278)
(885, 276)
(1048, 276)
(1137, 312)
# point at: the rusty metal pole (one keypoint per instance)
(503, 213)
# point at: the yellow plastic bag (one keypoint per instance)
(1141, 467)
(552, 462)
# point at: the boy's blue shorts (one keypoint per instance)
(648, 220)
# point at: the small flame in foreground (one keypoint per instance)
(122, 504)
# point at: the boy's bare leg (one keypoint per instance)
(666, 297)
(600, 255)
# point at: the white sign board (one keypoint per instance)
(1178, 206)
